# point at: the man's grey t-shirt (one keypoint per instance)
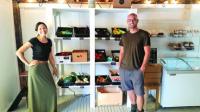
(133, 44)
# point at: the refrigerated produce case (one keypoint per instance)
(180, 82)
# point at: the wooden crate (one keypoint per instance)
(153, 68)
(80, 56)
(152, 74)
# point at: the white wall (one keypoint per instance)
(168, 20)
(9, 87)
(157, 20)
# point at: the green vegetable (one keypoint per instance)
(121, 31)
(70, 79)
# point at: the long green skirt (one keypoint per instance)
(41, 89)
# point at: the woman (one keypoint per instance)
(41, 87)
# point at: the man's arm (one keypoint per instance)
(121, 55)
(147, 50)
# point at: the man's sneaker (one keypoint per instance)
(134, 108)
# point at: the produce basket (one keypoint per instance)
(73, 79)
(82, 31)
(100, 55)
(115, 55)
(64, 32)
(103, 80)
(102, 32)
(118, 32)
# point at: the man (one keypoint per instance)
(133, 58)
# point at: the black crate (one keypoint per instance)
(63, 54)
(82, 31)
(120, 34)
(102, 32)
(100, 55)
(115, 55)
(107, 79)
(153, 55)
(64, 32)
(66, 85)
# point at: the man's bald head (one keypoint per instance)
(133, 15)
(132, 20)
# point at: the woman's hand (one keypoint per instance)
(32, 63)
(55, 71)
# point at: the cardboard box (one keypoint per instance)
(109, 96)
(114, 75)
(63, 57)
(79, 55)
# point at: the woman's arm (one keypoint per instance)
(20, 52)
(52, 62)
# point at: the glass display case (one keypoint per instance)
(180, 82)
(181, 64)
(193, 62)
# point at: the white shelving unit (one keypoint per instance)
(77, 18)
(108, 18)
(94, 42)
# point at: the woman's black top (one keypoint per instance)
(41, 50)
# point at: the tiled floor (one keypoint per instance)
(81, 104)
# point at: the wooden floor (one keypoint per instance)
(81, 104)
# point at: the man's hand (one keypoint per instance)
(142, 68)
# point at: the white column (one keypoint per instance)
(92, 58)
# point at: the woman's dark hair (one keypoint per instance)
(39, 23)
